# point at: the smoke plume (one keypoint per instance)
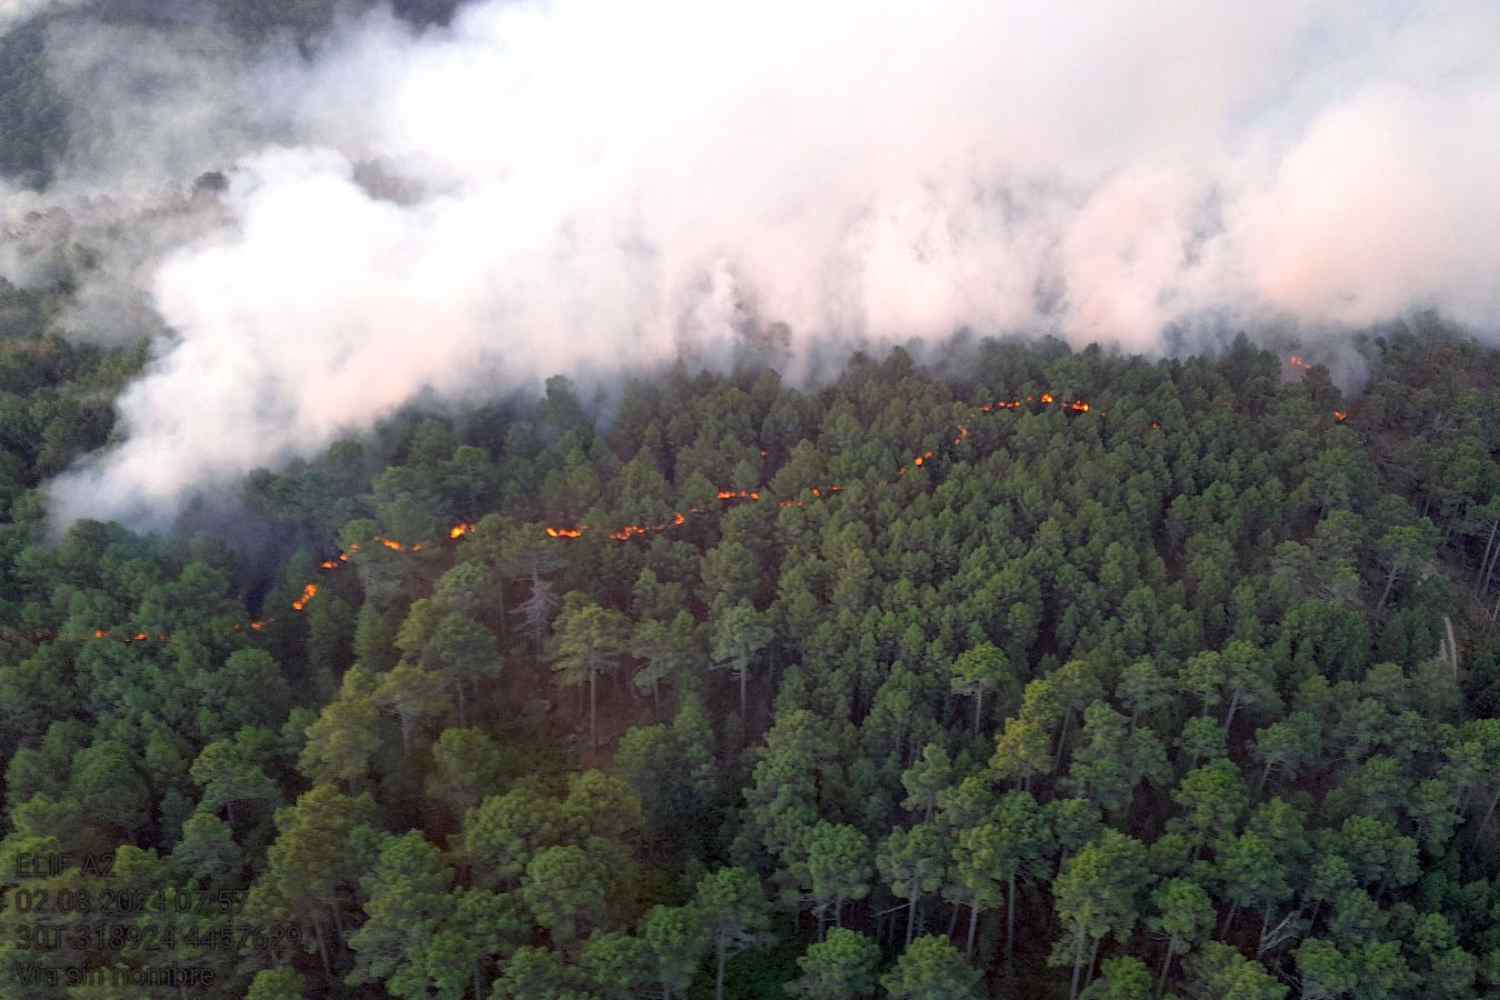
(543, 187)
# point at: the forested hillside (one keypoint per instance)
(1045, 674)
(34, 118)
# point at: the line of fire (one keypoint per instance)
(630, 532)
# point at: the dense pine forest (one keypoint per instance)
(1034, 673)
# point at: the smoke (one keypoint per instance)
(13, 12)
(554, 187)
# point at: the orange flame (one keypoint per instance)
(328, 564)
(1296, 361)
(308, 593)
(99, 633)
(1340, 416)
(141, 637)
(390, 543)
(459, 530)
(256, 626)
(633, 531)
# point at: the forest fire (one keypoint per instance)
(630, 532)
(1340, 416)
(308, 593)
(1297, 361)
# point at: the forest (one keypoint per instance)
(1029, 672)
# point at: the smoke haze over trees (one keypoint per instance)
(579, 501)
(579, 186)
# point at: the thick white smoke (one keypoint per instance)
(13, 12)
(592, 183)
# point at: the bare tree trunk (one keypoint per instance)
(322, 947)
(1077, 963)
(1166, 963)
(1490, 813)
(1233, 909)
(1234, 704)
(1389, 582)
(911, 919)
(1490, 573)
(1484, 563)
(978, 704)
(1452, 644)
(973, 926)
(1062, 737)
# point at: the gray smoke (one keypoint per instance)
(13, 12)
(549, 187)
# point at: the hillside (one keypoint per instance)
(1073, 674)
